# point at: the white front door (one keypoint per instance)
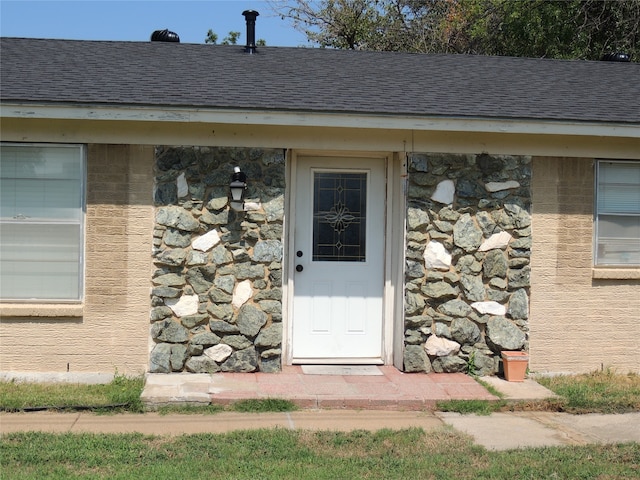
(339, 260)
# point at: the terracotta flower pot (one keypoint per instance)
(515, 365)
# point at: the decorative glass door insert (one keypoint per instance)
(339, 216)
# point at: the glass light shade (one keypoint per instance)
(237, 190)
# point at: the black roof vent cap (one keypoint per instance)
(250, 16)
(165, 36)
(616, 57)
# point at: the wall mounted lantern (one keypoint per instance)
(237, 188)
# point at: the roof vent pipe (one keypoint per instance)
(250, 16)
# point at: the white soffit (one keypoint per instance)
(314, 119)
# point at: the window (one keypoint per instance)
(617, 213)
(41, 222)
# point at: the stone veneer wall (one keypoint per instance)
(467, 254)
(217, 288)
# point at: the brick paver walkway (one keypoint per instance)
(391, 390)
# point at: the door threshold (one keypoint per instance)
(355, 370)
(337, 361)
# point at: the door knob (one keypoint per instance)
(299, 268)
(299, 253)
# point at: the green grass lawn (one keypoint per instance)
(602, 392)
(300, 455)
(122, 394)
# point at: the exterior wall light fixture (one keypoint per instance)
(237, 188)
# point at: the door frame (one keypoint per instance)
(394, 225)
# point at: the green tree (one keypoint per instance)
(535, 28)
(345, 24)
(212, 37)
(585, 29)
(231, 39)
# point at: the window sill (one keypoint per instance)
(8, 310)
(611, 273)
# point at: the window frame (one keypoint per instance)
(597, 263)
(81, 152)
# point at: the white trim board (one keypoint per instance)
(316, 119)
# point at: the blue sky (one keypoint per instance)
(135, 20)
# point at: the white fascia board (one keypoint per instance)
(315, 119)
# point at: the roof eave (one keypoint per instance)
(129, 113)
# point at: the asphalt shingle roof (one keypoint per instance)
(317, 80)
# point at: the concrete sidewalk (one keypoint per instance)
(506, 431)
(499, 431)
(157, 424)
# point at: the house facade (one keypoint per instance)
(422, 211)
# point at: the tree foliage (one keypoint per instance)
(231, 39)
(534, 28)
